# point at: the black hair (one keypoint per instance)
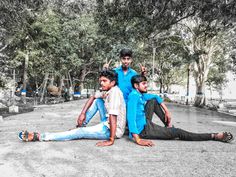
(110, 74)
(137, 79)
(126, 52)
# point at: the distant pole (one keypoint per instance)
(188, 73)
(153, 60)
(13, 89)
(25, 77)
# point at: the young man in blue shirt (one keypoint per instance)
(125, 73)
(141, 128)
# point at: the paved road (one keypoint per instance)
(83, 158)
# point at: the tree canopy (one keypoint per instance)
(77, 37)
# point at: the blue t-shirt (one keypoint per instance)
(135, 110)
(124, 81)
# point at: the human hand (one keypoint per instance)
(169, 125)
(168, 119)
(143, 69)
(81, 119)
(105, 143)
(148, 143)
(106, 65)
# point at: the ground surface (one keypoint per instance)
(124, 158)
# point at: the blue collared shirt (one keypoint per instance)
(135, 110)
(124, 81)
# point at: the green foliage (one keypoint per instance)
(216, 78)
(57, 44)
(171, 65)
(78, 36)
(151, 23)
(127, 19)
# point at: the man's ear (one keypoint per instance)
(113, 83)
(136, 86)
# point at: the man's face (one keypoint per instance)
(126, 61)
(142, 87)
(105, 83)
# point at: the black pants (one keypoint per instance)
(154, 131)
(152, 107)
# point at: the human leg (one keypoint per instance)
(153, 131)
(99, 131)
(151, 107)
(98, 105)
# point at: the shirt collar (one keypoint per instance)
(140, 94)
(108, 92)
(120, 68)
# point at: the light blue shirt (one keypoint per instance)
(135, 110)
(124, 81)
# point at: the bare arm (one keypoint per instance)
(106, 65)
(143, 69)
(82, 115)
(167, 114)
(113, 124)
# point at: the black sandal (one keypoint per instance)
(227, 137)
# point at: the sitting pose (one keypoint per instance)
(141, 128)
(125, 73)
(114, 113)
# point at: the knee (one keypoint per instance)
(99, 100)
(175, 130)
(151, 102)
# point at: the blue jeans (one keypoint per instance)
(98, 105)
(99, 131)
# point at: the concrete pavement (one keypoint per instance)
(125, 158)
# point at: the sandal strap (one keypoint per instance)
(35, 138)
(25, 135)
(227, 137)
(215, 136)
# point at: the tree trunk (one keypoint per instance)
(200, 79)
(44, 86)
(82, 78)
(211, 92)
(201, 69)
(25, 78)
(61, 85)
(161, 84)
(188, 78)
(200, 98)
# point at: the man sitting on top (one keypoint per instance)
(125, 73)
